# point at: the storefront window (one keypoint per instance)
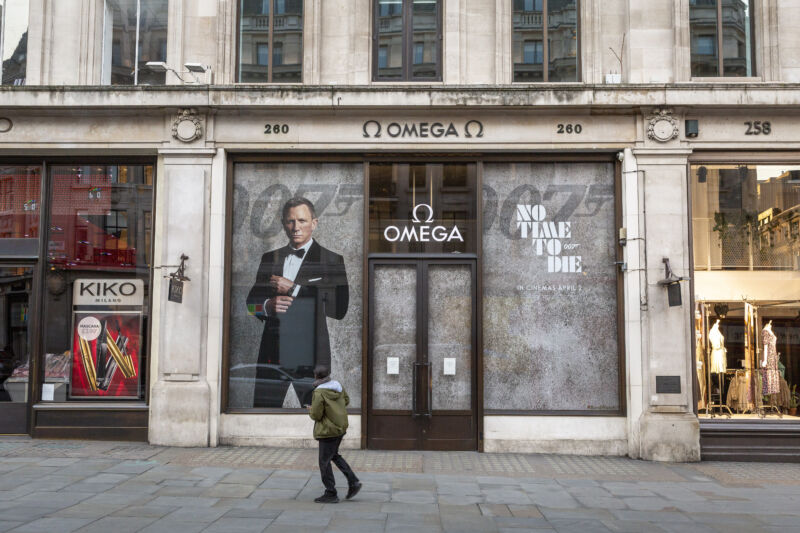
(20, 196)
(13, 41)
(747, 288)
(295, 285)
(136, 32)
(550, 308)
(97, 282)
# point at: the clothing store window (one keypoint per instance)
(97, 282)
(724, 26)
(747, 288)
(295, 282)
(135, 32)
(545, 29)
(13, 41)
(407, 40)
(266, 25)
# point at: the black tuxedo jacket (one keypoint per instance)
(324, 292)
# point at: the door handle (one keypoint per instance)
(415, 377)
(414, 390)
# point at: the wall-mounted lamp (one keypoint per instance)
(691, 129)
(673, 284)
(721, 310)
(176, 280)
(191, 68)
(702, 174)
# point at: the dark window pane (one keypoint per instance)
(736, 38)
(562, 39)
(287, 46)
(390, 39)
(16, 288)
(20, 193)
(527, 41)
(14, 44)
(425, 28)
(703, 32)
(254, 41)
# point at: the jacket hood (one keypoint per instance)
(332, 385)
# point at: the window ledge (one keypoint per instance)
(729, 79)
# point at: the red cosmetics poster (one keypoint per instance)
(106, 339)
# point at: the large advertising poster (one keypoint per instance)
(106, 338)
(296, 271)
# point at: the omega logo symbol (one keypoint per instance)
(416, 217)
(424, 232)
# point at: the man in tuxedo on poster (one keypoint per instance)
(297, 287)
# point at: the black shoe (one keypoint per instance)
(327, 498)
(353, 490)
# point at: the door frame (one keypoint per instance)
(422, 262)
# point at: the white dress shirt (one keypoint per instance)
(291, 266)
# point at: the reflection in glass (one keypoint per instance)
(13, 41)
(396, 189)
(125, 56)
(100, 225)
(425, 37)
(703, 35)
(15, 338)
(528, 41)
(20, 193)
(736, 50)
(280, 30)
(394, 335)
(746, 217)
(562, 40)
(390, 39)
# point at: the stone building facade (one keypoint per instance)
(579, 149)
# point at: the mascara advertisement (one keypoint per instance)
(106, 338)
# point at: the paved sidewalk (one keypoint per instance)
(107, 487)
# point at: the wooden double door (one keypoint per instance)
(422, 354)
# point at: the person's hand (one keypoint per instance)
(281, 284)
(279, 304)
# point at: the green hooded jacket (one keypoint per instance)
(329, 410)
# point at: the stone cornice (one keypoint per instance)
(548, 96)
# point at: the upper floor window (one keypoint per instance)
(135, 33)
(13, 41)
(407, 38)
(722, 37)
(545, 40)
(270, 41)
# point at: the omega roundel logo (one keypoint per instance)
(415, 215)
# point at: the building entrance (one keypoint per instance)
(16, 283)
(422, 384)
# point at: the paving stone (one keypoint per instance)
(407, 508)
(87, 510)
(59, 461)
(494, 509)
(153, 511)
(304, 518)
(166, 526)
(524, 511)
(567, 525)
(252, 513)
(507, 496)
(110, 479)
(7, 525)
(239, 525)
(52, 525)
(460, 510)
(194, 514)
(453, 499)
(291, 528)
(22, 513)
(118, 524)
(413, 496)
(632, 526)
(284, 483)
(465, 524)
(187, 501)
(274, 494)
(250, 476)
(601, 502)
(528, 523)
(132, 467)
(353, 525)
(581, 514)
(181, 491)
(651, 516)
(648, 504)
(240, 503)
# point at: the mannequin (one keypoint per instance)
(771, 375)
(718, 359)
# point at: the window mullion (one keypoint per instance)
(270, 49)
(136, 44)
(720, 63)
(545, 44)
(408, 37)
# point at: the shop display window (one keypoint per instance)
(300, 224)
(20, 196)
(747, 289)
(97, 281)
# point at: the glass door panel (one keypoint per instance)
(450, 309)
(394, 336)
(16, 283)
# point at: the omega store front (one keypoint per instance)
(463, 303)
(75, 256)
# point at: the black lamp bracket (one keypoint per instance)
(180, 274)
(669, 275)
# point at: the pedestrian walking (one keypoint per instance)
(328, 409)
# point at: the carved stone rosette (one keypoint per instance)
(662, 126)
(187, 126)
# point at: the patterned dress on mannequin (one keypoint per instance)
(770, 376)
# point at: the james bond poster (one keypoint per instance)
(295, 281)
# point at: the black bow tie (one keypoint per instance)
(299, 253)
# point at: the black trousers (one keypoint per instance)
(329, 452)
